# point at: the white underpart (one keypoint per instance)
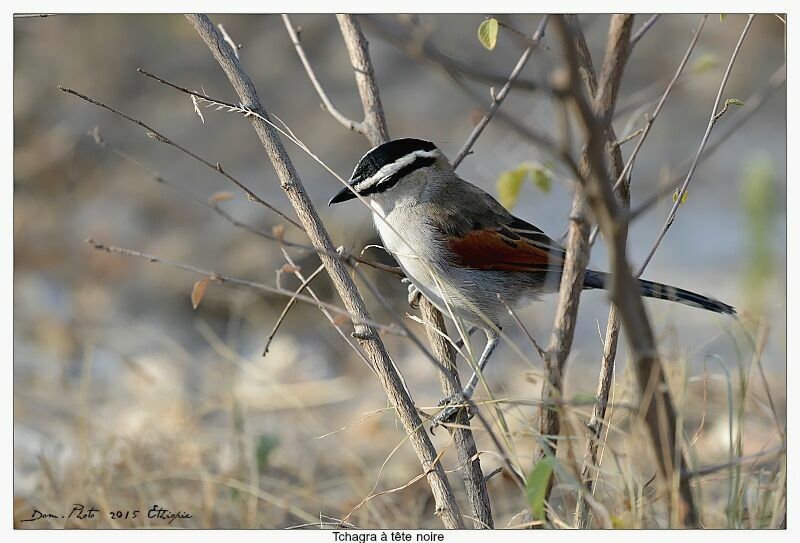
(393, 168)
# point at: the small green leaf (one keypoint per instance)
(510, 182)
(675, 196)
(734, 102)
(541, 179)
(487, 33)
(584, 398)
(508, 186)
(704, 63)
(722, 16)
(536, 486)
(618, 523)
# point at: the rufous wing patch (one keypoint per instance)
(491, 250)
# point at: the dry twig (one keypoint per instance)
(446, 507)
(577, 258)
(655, 403)
(715, 114)
(376, 132)
(497, 99)
(606, 376)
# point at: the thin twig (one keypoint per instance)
(537, 138)
(347, 338)
(158, 136)
(643, 29)
(625, 175)
(651, 119)
(578, 248)
(349, 258)
(288, 306)
(655, 404)
(326, 101)
(443, 354)
(708, 470)
(220, 278)
(711, 121)
(235, 46)
(415, 43)
(754, 103)
(497, 100)
(446, 506)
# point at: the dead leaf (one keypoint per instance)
(288, 268)
(198, 290)
(221, 196)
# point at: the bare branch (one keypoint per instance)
(220, 278)
(711, 121)
(655, 403)
(500, 96)
(348, 258)
(416, 44)
(358, 49)
(652, 117)
(605, 380)
(755, 457)
(326, 101)
(305, 282)
(754, 103)
(230, 41)
(647, 25)
(446, 507)
(625, 175)
(577, 257)
(443, 353)
(466, 450)
(158, 136)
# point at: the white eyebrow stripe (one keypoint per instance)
(393, 168)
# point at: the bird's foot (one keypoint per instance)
(413, 293)
(452, 404)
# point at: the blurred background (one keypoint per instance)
(125, 396)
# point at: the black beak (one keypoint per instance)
(342, 196)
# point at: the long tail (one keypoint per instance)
(649, 289)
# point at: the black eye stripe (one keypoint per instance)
(392, 180)
(388, 153)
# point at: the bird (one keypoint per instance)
(462, 250)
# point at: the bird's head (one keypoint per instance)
(394, 168)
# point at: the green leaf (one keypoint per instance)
(618, 523)
(584, 398)
(510, 182)
(675, 196)
(541, 179)
(487, 33)
(734, 102)
(722, 16)
(508, 186)
(704, 63)
(536, 486)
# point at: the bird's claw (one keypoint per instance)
(413, 293)
(451, 404)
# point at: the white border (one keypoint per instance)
(386, 6)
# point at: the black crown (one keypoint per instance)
(387, 153)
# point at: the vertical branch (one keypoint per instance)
(656, 403)
(606, 377)
(466, 450)
(376, 131)
(358, 49)
(577, 258)
(374, 349)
